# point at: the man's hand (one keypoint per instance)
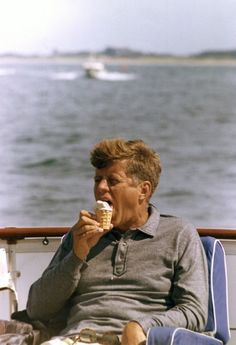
(133, 334)
(86, 233)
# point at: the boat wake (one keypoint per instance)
(114, 76)
(6, 71)
(64, 76)
(99, 74)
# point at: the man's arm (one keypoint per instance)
(50, 292)
(189, 288)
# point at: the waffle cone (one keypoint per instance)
(104, 218)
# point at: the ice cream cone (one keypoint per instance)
(104, 218)
(103, 214)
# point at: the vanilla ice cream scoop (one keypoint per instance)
(103, 213)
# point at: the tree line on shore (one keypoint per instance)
(113, 52)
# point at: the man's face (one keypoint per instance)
(121, 192)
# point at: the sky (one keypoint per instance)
(178, 27)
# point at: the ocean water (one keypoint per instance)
(51, 116)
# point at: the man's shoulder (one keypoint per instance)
(169, 224)
(174, 219)
(177, 225)
(179, 233)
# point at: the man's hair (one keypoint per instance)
(143, 163)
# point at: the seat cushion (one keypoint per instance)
(179, 336)
(218, 316)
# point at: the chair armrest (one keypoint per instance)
(178, 336)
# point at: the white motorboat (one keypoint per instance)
(93, 69)
(96, 70)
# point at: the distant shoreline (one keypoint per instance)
(191, 61)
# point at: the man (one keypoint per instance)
(147, 270)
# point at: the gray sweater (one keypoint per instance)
(156, 275)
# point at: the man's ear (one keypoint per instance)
(145, 190)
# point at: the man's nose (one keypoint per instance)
(103, 184)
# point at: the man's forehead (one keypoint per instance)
(117, 167)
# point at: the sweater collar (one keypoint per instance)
(150, 227)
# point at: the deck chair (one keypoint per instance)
(6, 280)
(218, 320)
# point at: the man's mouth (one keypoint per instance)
(107, 200)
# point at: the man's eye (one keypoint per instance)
(97, 179)
(113, 181)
